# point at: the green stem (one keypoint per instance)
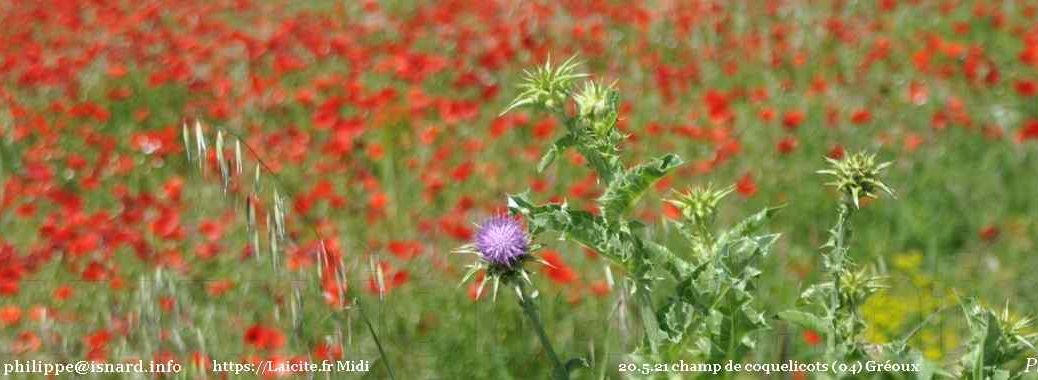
(530, 309)
(596, 159)
(703, 241)
(374, 335)
(841, 237)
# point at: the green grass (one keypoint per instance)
(957, 183)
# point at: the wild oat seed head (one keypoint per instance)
(502, 240)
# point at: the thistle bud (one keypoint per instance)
(857, 176)
(699, 205)
(593, 102)
(597, 107)
(547, 86)
(857, 286)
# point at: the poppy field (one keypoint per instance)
(520, 189)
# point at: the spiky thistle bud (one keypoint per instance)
(597, 105)
(547, 86)
(593, 101)
(997, 338)
(699, 205)
(857, 286)
(857, 176)
(698, 208)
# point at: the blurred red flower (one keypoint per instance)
(787, 145)
(556, 269)
(792, 120)
(1029, 131)
(746, 186)
(989, 233)
(264, 338)
(812, 338)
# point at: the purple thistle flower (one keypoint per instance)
(502, 240)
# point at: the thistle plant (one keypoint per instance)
(502, 247)
(847, 286)
(708, 309)
(713, 304)
(997, 340)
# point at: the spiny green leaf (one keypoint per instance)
(554, 150)
(624, 191)
(731, 338)
(654, 335)
(805, 320)
(605, 163)
(747, 226)
(678, 267)
(579, 226)
(675, 318)
(740, 254)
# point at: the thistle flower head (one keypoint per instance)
(502, 241)
(699, 205)
(502, 246)
(547, 86)
(857, 175)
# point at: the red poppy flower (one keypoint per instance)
(861, 116)
(812, 338)
(556, 269)
(10, 315)
(792, 120)
(62, 293)
(264, 338)
(671, 211)
(989, 233)
(26, 342)
(219, 287)
(746, 186)
(600, 288)
(1026, 87)
(836, 152)
(390, 279)
(326, 351)
(1029, 131)
(544, 129)
(787, 145)
(98, 340)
